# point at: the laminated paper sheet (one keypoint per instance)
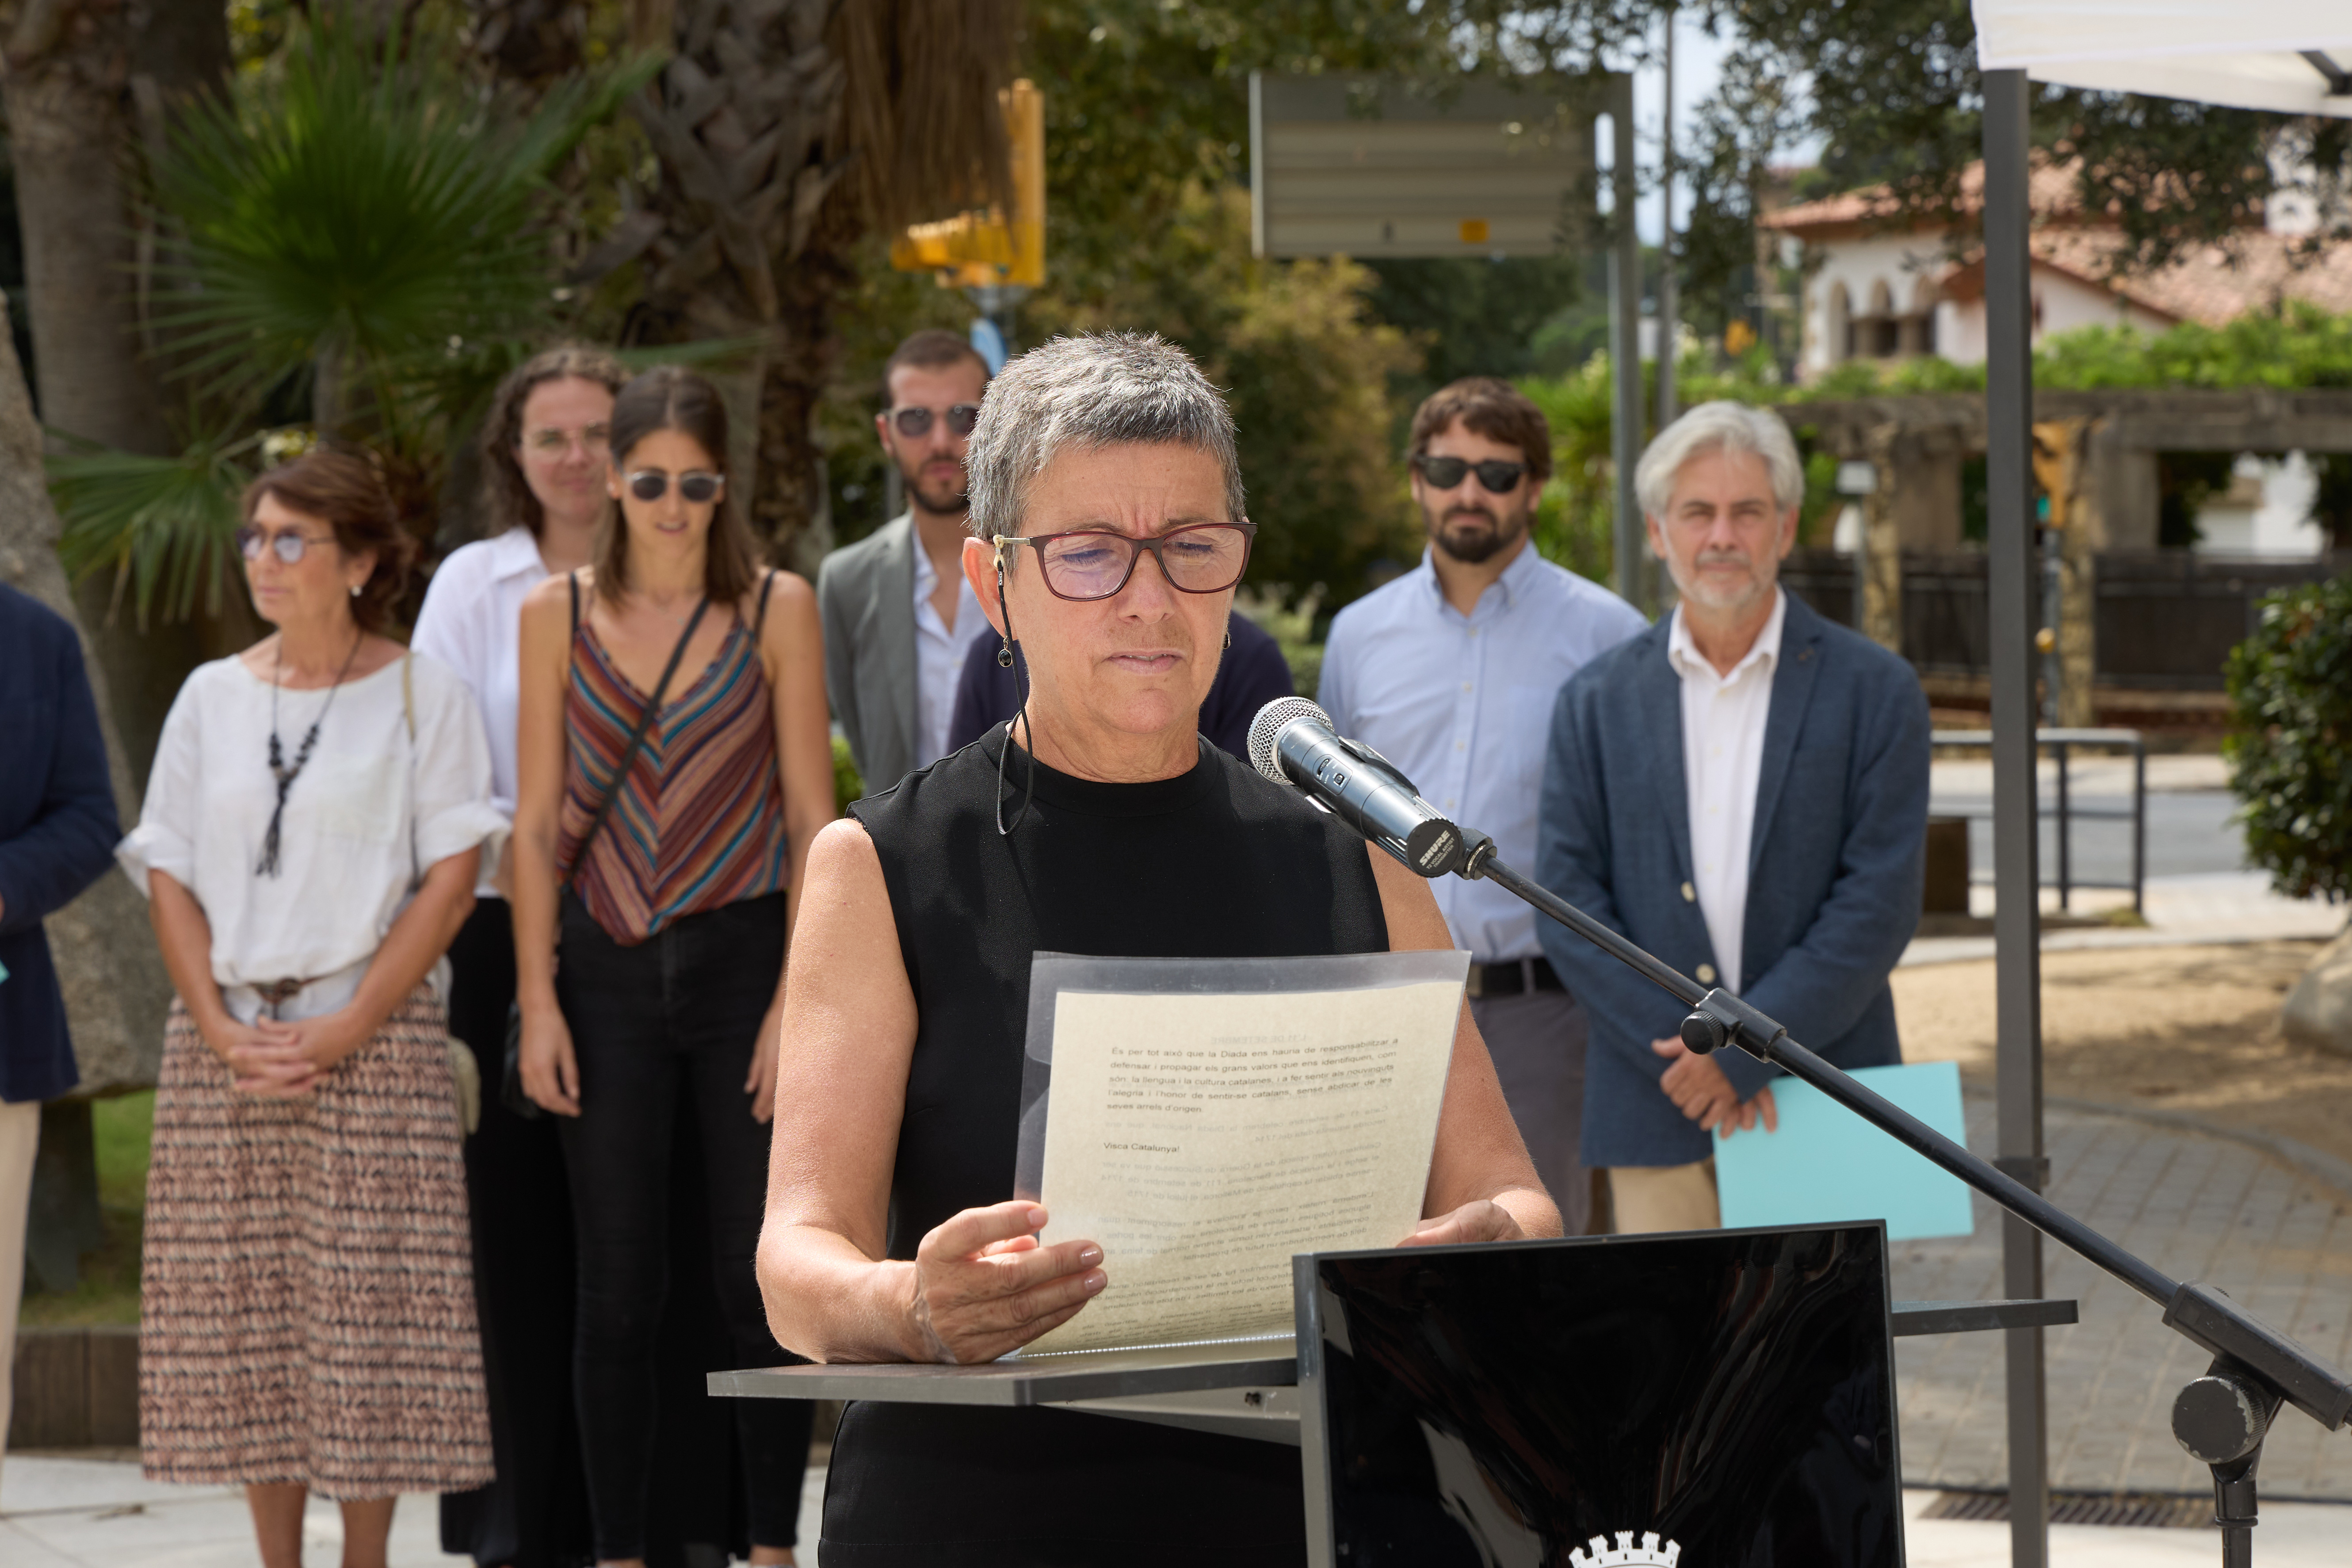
(1203, 1136)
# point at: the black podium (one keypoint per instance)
(1731, 1394)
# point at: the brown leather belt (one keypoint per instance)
(1514, 977)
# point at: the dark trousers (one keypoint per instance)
(1537, 1040)
(535, 1514)
(667, 1025)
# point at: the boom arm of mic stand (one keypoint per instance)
(1717, 1018)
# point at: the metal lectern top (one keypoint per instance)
(1041, 1380)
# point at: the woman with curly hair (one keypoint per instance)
(317, 818)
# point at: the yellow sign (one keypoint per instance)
(975, 248)
(1738, 338)
(1473, 231)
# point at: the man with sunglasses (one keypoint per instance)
(1450, 671)
(898, 616)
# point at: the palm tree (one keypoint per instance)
(787, 133)
(357, 222)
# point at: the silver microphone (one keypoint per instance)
(1292, 742)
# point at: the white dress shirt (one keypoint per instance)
(938, 655)
(1463, 705)
(472, 622)
(371, 811)
(1723, 760)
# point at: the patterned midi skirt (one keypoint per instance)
(307, 1310)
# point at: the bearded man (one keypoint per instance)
(1450, 671)
(1743, 791)
(898, 616)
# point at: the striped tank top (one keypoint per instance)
(699, 821)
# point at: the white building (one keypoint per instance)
(1880, 289)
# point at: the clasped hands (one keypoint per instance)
(1701, 1091)
(984, 1284)
(274, 1059)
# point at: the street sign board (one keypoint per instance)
(1366, 166)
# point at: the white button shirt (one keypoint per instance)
(938, 655)
(472, 622)
(1723, 761)
(1463, 704)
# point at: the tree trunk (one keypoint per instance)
(75, 71)
(740, 117)
(115, 985)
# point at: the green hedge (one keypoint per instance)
(2290, 746)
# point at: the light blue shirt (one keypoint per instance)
(1464, 705)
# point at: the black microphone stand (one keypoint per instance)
(2220, 1418)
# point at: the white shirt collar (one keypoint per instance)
(1689, 661)
(515, 553)
(1514, 580)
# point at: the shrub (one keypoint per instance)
(2290, 746)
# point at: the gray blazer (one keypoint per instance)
(866, 594)
(1835, 869)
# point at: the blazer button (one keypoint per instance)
(1690, 894)
(1706, 973)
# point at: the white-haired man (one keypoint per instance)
(1743, 791)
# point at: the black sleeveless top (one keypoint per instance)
(1218, 863)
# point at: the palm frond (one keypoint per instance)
(362, 202)
(165, 525)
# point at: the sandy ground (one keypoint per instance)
(2191, 1029)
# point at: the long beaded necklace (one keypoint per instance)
(279, 769)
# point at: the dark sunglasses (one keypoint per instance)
(695, 488)
(1095, 563)
(915, 424)
(1495, 477)
(289, 545)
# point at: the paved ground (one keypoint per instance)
(2200, 1208)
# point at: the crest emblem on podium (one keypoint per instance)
(1650, 1554)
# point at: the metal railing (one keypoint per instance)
(2060, 743)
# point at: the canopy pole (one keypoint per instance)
(1625, 344)
(2017, 897)
(1669, 298)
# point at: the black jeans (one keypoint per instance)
(678, 1015)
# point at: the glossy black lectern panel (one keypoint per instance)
(1717, 1400)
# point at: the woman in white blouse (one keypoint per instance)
(315, 823)
(544, 460)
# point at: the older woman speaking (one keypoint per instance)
(1107, 504)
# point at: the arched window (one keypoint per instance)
(1837, 328)
(1885, 331)
(1920, 329)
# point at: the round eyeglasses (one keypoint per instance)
(287, 545)
(1094, 563)
(915, 424)
(696, 488)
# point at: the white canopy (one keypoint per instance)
(2247, 53)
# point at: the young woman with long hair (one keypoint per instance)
(543, 456)
(675, 764)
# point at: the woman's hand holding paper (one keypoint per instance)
(983, 1285)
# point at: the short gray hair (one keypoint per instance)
(1094, 390)
(1720, 426)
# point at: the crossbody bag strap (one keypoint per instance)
(636, 740)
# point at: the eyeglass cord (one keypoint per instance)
(1029, 789)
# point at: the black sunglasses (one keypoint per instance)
(1495, 477)
(915, 424)
(695, 488)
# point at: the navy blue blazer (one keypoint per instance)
(57, 832)
(1835, 870)
(1251, 674)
